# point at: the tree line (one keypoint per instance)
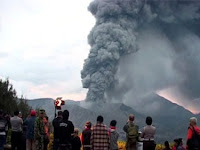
(9, 102)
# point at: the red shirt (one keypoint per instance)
(190, 132)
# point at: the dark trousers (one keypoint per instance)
(16, 140)
(55, 144)
(148, 145)
(2, 141)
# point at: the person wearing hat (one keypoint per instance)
(85, 137)
(30, 123)
(39, 132)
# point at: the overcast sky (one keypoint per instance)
(43, 44)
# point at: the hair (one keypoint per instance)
(113, 123)
(193, 120)
(100, 119)
(16, 113)
(131, 117)
(167, 144)
(88, 124)
(47, 118)
(65, 114)
(1, 112)
(76, 131)
(148, 120)
(60, 113)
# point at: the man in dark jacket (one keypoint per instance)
(66, 128)
(56, 124)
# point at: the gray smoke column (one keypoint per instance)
(115, 36)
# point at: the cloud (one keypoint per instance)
(46, 44)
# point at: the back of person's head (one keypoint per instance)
(131, 117)
(113, 123)
(167, 144)
(16, 113)
(33, 113)
(100, 119)
(88, 124)
(148, 120)
(65, 114)
(193, 120)
(60, 113)
(76, 131)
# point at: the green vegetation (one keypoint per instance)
(9, 102)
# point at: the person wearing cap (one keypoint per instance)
(30, 123)
(16, 135)
(192, 129)
(39, 132)
(85, 137)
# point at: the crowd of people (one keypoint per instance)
(34, 133)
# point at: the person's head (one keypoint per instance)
(65, 114)
(33, 113)
(113, 123)
(176, 142)
(76, 131)
(167, 144)
(100, 119)
(42, 113)
(88, 124)
(193, 121)
(148, 120)
(60, 113)
(45, 119)
(131, 117)
(16, 113)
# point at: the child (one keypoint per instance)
(76, 142)
(113, 135)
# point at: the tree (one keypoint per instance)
(9, 101)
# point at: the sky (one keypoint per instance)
(43, 45)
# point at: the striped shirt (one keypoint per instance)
(99, 137)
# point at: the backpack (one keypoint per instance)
(132, 131)
(194, 142)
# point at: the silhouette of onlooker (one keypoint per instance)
(167, 147)
(39, 132)
(3, 125)
(99, 136)
(46, 131)
(76, 142)
(66, 128)
(16, 135)
(132, 133)
(56, 124)
(86, 135)
(30, 123)
(113, 135)
(148, 135)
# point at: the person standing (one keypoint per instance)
(66, 128)
(85, 137)
(99, 136)
(132, 134)
(113, 135)
(148, 133)
(39, 132)
(16, 136)
(3, 126)
(47, 131)
(76, 142)
(56, 123)
(30, 123)
(193, 130)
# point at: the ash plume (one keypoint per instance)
(141, 46)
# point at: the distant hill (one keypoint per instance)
(171, 120)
